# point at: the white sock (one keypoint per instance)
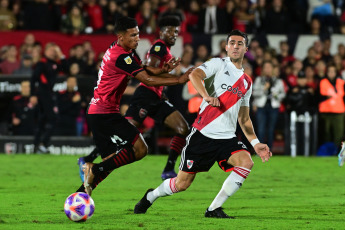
(230, 186)
(166, 188)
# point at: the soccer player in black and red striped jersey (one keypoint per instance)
(118, 141)
(148, 100)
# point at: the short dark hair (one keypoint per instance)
(169, 21)
(124, 23)
(238, 33)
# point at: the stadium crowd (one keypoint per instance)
(282, 82)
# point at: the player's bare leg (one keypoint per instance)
(127, 155)
(166, 188)
(176, 122)
(243, 164)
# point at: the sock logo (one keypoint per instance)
(190, 164)
(239, 184)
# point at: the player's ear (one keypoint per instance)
(226, 47)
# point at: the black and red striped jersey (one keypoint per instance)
(161, 51)
(118, 66)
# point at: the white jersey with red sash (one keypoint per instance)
(233, 88)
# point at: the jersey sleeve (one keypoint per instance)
(159, 50)
(211, 67)
(246, 98)
(128, 64)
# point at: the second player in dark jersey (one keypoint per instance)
(148, 101)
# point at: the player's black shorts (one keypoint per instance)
(111, 132)
(145, 103)
(201, 152)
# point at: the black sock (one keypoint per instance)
(176, 145)
(92, 156)
(124, 157)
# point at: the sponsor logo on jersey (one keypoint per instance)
(94, 101)
(232, 90)
(128, 60)
(203, 65)
(157, 48)
(190, 164)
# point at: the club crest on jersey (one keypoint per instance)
(190, 164)
(128, 60)
(157, 48)
(142, 113)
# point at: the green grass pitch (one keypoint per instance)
(285, 193)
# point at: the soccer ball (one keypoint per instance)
(79, 207)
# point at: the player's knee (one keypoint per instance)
(248, 163)
(140, 152)
(182, 130)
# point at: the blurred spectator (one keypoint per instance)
(277, 19)
(74, 69)
(95, 14)
(192, 16)
(146, 18)
(326, 51)
(301, 98)
(332, 107)
(341, 50)
(244, 17)
(315, 27)
(73, 22)
(202, 53)
(111, 14)
(131, 7)
(320, 69)
(28, 44)
(23, 112)
(45, 74)
(222, 52)
(260, 14)
(310, 76)
(322, 10)
(25, 66)
(318, 47)
(7, 18)
(90, 63)
(78, 57)
(38, 15)
(173, 10)
(19, 14)
(338, 63)
(212, 19)
(268, 92)
(10, 62)
(291, 79)
(68, 102)
(36, 53)
(284, 56)
(310, 59)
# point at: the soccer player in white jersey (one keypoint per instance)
(226, 92)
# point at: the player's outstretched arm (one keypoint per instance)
(149, 80)
(166, 68)
(246, 125)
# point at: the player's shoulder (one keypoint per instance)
(158, 47)
(213, 63)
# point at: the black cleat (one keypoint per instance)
(142, 206)
(217, 213)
